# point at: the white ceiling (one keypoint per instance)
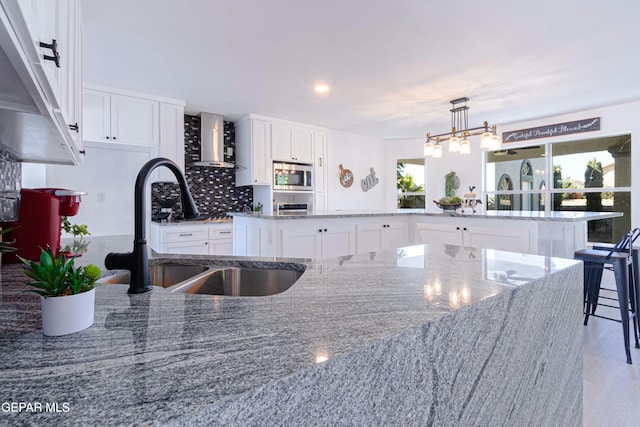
(392, 65)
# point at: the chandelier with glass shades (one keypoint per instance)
(460, 132)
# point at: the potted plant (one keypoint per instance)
(67, 293)
(450, 202)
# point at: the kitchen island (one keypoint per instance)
(425, 335)
(327, 235)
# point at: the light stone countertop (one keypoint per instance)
(154, 358)
(509, 215)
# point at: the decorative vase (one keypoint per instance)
(68, 314)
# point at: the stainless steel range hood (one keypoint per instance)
(212, 147)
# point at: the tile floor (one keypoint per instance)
(611, 386)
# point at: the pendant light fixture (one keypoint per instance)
(458, 138)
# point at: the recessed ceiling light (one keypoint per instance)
(321, 88)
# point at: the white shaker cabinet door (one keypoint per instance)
(338, 240)
(96, 116)
(134, 120)
(438, 233)
(302, 146)
(395, 235)
(301, 243)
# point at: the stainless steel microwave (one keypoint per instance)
(292, 176)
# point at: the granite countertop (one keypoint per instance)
(510, 215)
(156, 357)
(217, 222)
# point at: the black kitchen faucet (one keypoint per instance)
(137, 262)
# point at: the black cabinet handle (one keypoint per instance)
(319, 230)
(465, 229)
(325, 230)
(457, 228)
(83, 152)
(74, 127)
(114, 138)
(54, 49)
(107, 137)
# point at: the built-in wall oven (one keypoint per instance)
(292, 176)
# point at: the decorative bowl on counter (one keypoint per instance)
(448, 206)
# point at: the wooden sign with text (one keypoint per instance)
(558, 129)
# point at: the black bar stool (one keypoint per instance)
(623, 259)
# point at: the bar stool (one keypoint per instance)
(623, 260)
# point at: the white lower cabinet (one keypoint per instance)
(476, 236)
(221, 240)
(197, 239)
(320, 241)
(382, 236)
(199, 247)
(320, 238)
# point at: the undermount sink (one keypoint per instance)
(209, 280)
(164, 275)
(240, 281)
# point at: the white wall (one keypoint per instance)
(615, 120)
(34, 175)
(358, 154)
(108, 175)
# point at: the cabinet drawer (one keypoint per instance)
(222, 233)
(186, 248)
(184, 235)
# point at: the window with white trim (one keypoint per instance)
(410, 183)
(586, 175)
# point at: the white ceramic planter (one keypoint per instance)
(68, 314)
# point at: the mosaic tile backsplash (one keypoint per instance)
(10, 182)
(213, 189)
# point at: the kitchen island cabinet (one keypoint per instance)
(557, 234)
(412, 337)
(318, 239)
(477, 233)
(382, 235)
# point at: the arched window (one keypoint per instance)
(543, 186)
(526, 183)
(505, 201)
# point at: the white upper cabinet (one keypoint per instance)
(97, 115)
(319, 161)
(302, 146)
(110, 117)
(43, 41)
(253, 152)
(171, 138)
(291, 144)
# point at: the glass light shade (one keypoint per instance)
(454, 144)
(465, 147)
(495, 142)
(428, 149)
(485, 139)
(437, 151)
